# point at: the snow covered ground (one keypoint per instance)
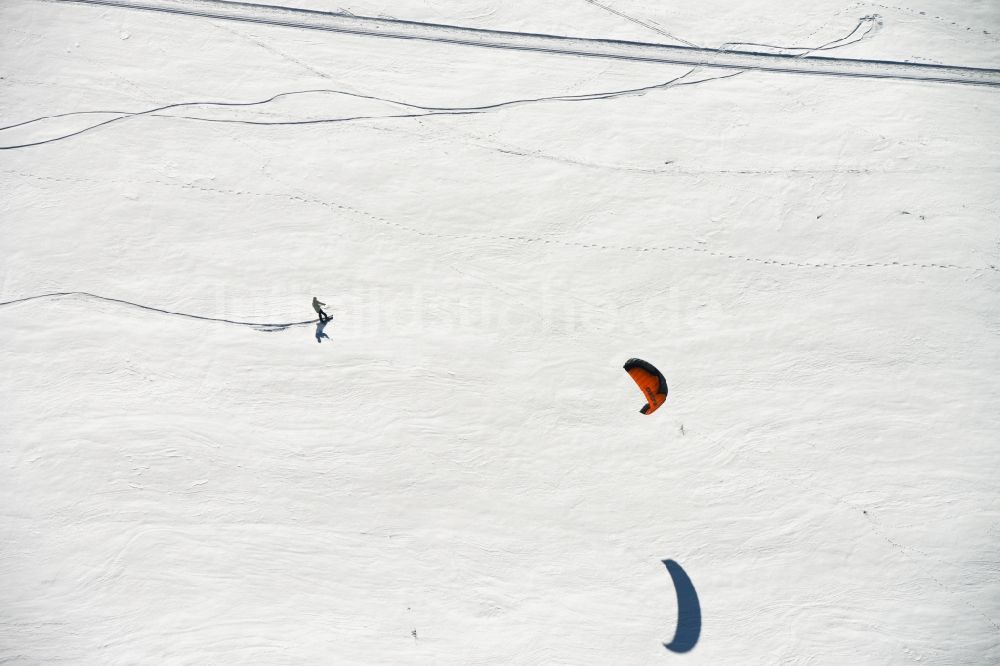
(458, 473)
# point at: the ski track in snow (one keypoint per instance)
(428, 110)
(644, 24)
(308, 200)
(872, 25)
(872, 22)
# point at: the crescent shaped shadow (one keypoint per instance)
(688, 610)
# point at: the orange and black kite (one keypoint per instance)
(650, 382)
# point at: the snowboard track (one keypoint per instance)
(260, 326)
(556, 44)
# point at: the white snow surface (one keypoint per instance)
(459, 473)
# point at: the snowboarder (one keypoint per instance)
(319, 310)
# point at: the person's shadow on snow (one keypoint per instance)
(320, 325)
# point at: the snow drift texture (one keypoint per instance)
(457, 474)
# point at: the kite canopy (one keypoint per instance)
(650, 382)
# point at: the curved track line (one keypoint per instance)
(556, 44)
(260, 326)
(873, 23)
(425, 110)
(431, 110)
(438, 109)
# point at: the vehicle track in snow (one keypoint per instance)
(557, 44)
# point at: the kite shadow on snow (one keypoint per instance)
(688, 610)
